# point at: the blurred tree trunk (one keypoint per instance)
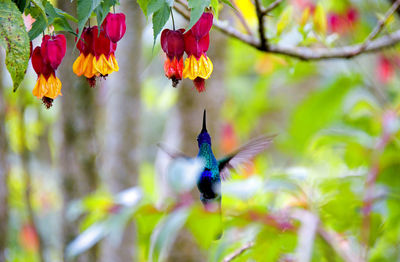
(191, 105)
(78, 139)
(3, 169)
(123, 112)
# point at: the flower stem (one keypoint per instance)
(173, 20)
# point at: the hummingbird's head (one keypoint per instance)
(204, 137)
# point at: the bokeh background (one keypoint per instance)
(85, 180)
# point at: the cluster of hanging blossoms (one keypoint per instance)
(97, 49)
(195, 42)
(45, 61)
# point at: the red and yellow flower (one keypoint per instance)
(45, 60)
(173, 45)
(198, 66)
(83, 65)
(97, 50)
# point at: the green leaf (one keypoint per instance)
(164, 235)
(143, 5)
(58, 19)
(39, 4)
(327, 102)
(160, 18)
(85, 9)
(284, 20)
(37, 28)
(65, 14)
(15, 40)
(196, 10)
(228, 2)
(155, 5)
(214, 6)
(103, 9)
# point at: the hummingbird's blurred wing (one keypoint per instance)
(173, 153)
(243, 155)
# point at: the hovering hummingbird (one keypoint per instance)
(209, 181)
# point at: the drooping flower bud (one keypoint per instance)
(53, 49)
(114, 26)
(173, 45)
(196, 47)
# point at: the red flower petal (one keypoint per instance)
(53, 49)
(101, 43)
(172, 43)
(199, 83)
(196, 47)
(39, 65)
(114, 26)
(203, 26)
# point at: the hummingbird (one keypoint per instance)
(217, 170)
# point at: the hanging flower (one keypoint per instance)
(83, 65)
(198, 66)
(104, 62)
(48, 86)
(53, 49)
(96, 55)
(173, 44)
(114, 26)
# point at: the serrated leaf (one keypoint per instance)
(85, 9)
(143, 5)
(15, 40)
(155, 5)
(103, 9)
(196, 10)
(284, 20)
(37, 28)
(320, 23)
(40, 5)
(159, 19)
(228, 3)
(66, 15)
(58, 20)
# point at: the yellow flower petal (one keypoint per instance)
(40, 88)
(54, 87)
(89, 70)
(78, 66)
(197, 68)
(102, 65)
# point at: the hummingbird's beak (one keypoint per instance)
(204, 129)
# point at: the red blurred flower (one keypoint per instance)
(53, 49)
(173, 45)
(114, 26)
(343, 22)
(385, 69)
(198, 66)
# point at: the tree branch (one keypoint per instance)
(261, 29)
(238, 252)
(336, 242)
(303, 53)
(379, 27)
(271, 7)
